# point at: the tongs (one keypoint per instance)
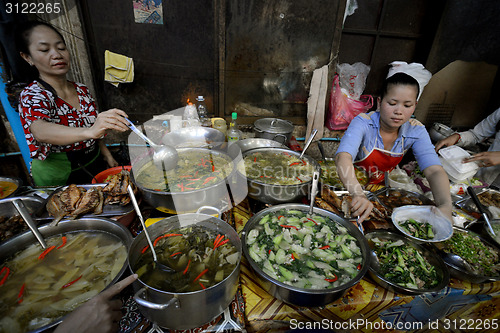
(479, 206)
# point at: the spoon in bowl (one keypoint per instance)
(311, 137)
(19, 205)
(156, 264)
(164, 156)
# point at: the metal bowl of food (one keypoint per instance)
(9, 186)
(194, 137)
(470, 257)
(82, 258)
(404, 266)
(277, 175)
(11, 222)
(330, 177)
(392, 198)
(252, 143)
(304, 259)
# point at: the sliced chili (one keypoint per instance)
(64, 240)
(295, 163)
(359, 267)
(174, 254)
(217, 240)
(312, 220)
(332, 280)
(300, 180)
(7, 272)
(187, 266)
(289, 226)
(293, 257)
(70, 283)
(208, 179)
(201, 274)
(20, 296)
(145, 248)
(164, 236)
(46, 251)
(221, 243)
(201, 285)
(324, 247)
(280, 216)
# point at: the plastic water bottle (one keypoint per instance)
(202, 112)
(233, 134)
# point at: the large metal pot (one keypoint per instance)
(274, 129)
(197, 136)
(20, 242)
(184, 311)
(300, 296)
(187, 201)
(278, 194)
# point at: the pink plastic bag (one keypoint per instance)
(343, 109)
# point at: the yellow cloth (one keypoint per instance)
(118, 68)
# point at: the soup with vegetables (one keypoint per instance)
(277, 168)
(196, 169)
(200, 257)
(304, 251)
(39, 286)
(330, 176)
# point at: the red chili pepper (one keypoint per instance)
(187, 266)
(359, 267)
(186, 176)
(312, 220)
(164, 236)
(208, 179)
(7, 271)
(299, 179)
(221, 243)
(201, 285)
(64, 240)
(20, 296)
(324, 247)
(269, 251)
(46, 251)
(293, 257)
(284, 153)
(217, 239)
(294, 163)
(174, 254)
(213, 168)
(289, 226)
(145, 248)
(332, 280)
(255, 159)
(280, 216)
(70, 283)
(201, 274)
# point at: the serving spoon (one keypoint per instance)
(164, 156)
(311, 137)
(19, 205)
(314, 190)
(156, 264)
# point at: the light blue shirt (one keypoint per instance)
(363, 134)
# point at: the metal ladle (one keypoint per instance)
(157, 264)
(19, 205)
(311, 137)
(164, 156)
(314, 190)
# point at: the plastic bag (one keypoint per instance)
(352, 78)
(343, 109)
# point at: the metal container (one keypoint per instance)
(182, 311)
(434, 260)
(187, 201)
(12, 181)
(8, 210)
(242, 146)
(15, 244)
(274, 129)
(440, 131)
(278, 194)
(196, 136)
(301, 296)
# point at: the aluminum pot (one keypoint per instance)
(278, 194)
(300, 296)
(98, 224)
(274, 129)
(182, 311)
(197, 136)
(187, 201)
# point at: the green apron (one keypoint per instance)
(55, 169)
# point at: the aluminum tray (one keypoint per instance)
(468, 205)
(388, 192)
(107, 211)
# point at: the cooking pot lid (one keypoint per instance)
(274, 125)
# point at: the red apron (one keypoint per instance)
(377, 162)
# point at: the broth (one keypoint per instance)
(7, 188)
(39, 288)
(200, 257)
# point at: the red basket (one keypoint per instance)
(101, 176)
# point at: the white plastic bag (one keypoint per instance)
(353, 78)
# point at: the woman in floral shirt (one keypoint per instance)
(59, 117)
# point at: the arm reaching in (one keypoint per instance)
(99, 314)
(360, 205)
(485, 159)
(440, 186)
(449, 141)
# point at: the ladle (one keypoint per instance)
(322, 151)
(311, 137)
(314, 190)
(165, 156)
(479, 206)
(19, 205)
(157, 264)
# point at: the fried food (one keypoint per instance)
(74, 201)
(116, 189)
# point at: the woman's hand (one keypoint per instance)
(101, 313)
(449, 141)
(361, 206)
(113, 119)
(485, 159)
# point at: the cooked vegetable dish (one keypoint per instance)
(195, 170)
(38, 286)
(277, 168)
(481, 258)
(329, 175)
(305, 251)
(403, 264)
(7, 188)
(200, 257)
(422, 230)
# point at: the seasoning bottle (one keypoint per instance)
(233, 133)
(202, 112)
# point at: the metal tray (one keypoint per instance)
(468, 205)
(32, 204)
(389, 192)
(107, 211)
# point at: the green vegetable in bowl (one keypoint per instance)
(403, 264)
(422, 230)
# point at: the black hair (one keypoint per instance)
(399, 79)
(23, 32)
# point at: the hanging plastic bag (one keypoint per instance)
(343, 109)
